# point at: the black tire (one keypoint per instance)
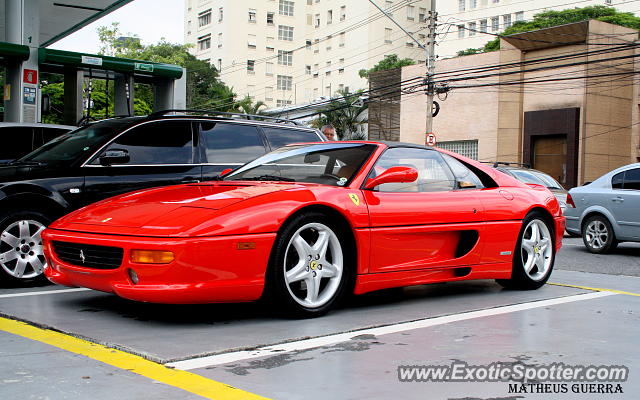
(520, 279)
(9, 271)
(597, 245)
(279, 294)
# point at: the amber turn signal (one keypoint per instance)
(151, 256)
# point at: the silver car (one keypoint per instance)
(606, 211)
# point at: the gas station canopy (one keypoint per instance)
(59, 19)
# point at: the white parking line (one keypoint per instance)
(2, 296)
(305, 344)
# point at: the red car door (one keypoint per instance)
(424, 224)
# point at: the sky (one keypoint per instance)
(151, 20)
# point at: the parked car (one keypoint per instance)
(117, 156)
(606, 211)
(530, 175)
(19, 139)
(307, 223)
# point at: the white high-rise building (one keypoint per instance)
(286, 52)
(465, 24)
(294, 51)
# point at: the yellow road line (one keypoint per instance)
(184, 380)
(595, 289)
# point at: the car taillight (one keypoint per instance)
(570, 202)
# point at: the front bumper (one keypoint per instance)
(205, 270)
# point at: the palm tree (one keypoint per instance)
(345, 115)
(247, 106)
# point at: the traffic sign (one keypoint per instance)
(431, 139)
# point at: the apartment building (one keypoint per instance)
(287, 52)
(465, 24)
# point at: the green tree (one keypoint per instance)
(345, 114)
(389, 62)
(549, 19)
(247, 106)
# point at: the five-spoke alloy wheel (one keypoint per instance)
(309, 270)
(598, 235)
(534, 255)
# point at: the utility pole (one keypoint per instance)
(431, 65)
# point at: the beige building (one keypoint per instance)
(470, 23)
(290, 52)
(565, 120)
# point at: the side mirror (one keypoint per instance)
(393, 175)
(115, 156)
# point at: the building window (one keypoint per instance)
(219, 40)
(251, 65)
(409, 44)
(341, 39)
(268, 93)
(483, 25)
(204, 42)
(285, 57)
(329, 17)
(387, 7)
(269, 68)
(473, 4)
(422, 15)
(251, 90)
(270, 18)
(495, 24)
(462, 5)
(520, 16)
(317, 20)
(411, 13)
(284, 82)
(472, 28)
(307, 69)
(341, 71)
(282, 103)
(507, 20)
(220, 14)
(467, 148)
(204, 18)
(252, 15)
(387, 35)
(285, 33)
(271, 49)
(219, 64)
(343, 13)
(308, 44)
(285, 8)
(327, 91)
(251, 41)
(460, 31)
(309, 19)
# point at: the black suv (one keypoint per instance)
(120, 155)
(20, 138)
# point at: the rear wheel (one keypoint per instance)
(534, 256)
(21, 251)
(308, 273)
(598, 235)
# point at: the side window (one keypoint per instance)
(230, 143)
(433, 173)
(160, 142)
(48, 134)
(616, 180)
(465, 178)
(16, 142)
(282, 137)
(632, 179)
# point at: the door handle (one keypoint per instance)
(620, 199)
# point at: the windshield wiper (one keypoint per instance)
(269, 178)
(18, 162)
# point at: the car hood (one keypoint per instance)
(164, 211)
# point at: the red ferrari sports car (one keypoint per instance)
(308, 223)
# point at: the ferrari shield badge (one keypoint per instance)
(354, 197)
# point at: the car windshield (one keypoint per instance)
(329, 163)
(549, 182)
(75, 145)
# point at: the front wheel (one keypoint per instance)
(21, 251)
(534, 254)
(309, 270)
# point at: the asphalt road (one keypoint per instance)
(625, 260)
